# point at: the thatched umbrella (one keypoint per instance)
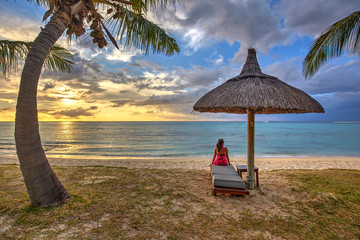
(254, 92)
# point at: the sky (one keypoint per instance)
(214, 35)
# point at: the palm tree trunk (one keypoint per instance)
(43, 186)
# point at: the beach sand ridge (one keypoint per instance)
(203, 163)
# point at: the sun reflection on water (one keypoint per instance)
(67, 131)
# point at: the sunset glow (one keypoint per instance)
(126, 85)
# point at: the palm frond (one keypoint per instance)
(11, 52)
(342, 36)
(141, 33)
(59, 59)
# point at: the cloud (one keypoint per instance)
(117, 77)
(195, 38)
(48, 85)
(199, 76)
(82, 69)
(74, 113)
(92, 86)
(308, 17)
(179, 104)
(124, 97)
(335, 76)
(182, 79)
(251, 23)
(144, 64)
(47, 98)
(215, 59)
(122, 54)
(153, 100)
(16, 27)
(8, 95)
(335, 86)
(119, 103)
(4, 109)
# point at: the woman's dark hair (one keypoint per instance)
(219, 144)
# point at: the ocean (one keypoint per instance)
(189, 139)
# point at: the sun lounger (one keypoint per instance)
(225, 179)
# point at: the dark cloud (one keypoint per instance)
(47, 98)
(117, 77)
(86, 84)
(8, 95)
(48, 85)
(4, 109)
(148, 85)
(74, 113)
(156, 100)
(180, 103)
(130, 95)
(119, 103)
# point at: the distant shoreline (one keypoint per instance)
(267, 163)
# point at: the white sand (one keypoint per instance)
(202, 163)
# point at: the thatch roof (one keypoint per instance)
(255, 90)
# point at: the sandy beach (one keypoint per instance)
(202, 163)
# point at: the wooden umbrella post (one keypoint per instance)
(250, 149)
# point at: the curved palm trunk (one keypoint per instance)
(43, 186)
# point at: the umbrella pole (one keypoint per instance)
(250, 149)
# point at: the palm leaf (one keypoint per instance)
(141, 33)
(11, 52)
(342, 36)
(59, 59)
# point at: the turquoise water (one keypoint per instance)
(189, 139)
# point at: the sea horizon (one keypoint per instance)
(188, 139)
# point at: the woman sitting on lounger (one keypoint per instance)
(221, 155)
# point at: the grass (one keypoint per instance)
(120, 203)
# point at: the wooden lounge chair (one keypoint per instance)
(225, 179)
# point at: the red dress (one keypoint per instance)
(221, 160)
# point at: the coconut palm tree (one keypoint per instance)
(342, 36)
(11, 52)
(126, 19)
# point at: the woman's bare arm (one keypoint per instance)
(227, 155)
(213, 157)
